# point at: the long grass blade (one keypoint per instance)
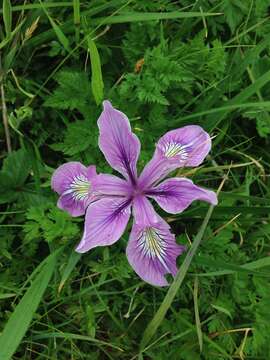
(197, 314)
(70, 336)
(58, 32)
(96, 79)
(72, 261)
(77, 18)
(150, 16)
(7, 17)
(21, 317)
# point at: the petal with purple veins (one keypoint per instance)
(186, 146)
(119, 145)
(105, 222)
(73, 182)
(152, 250)
(176, 194)
(105, 185)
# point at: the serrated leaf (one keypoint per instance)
(15, 170)
(17, 165)
(73, 92)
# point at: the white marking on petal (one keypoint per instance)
(173, 148)
(79, 188)
(152, 243)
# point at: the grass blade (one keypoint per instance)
(7, 17)
(72, 261)
(96, 80)
(37, 6)
(160, 314)
(77, 18)
(228, 269)
(58, 32)
(150, 16)
(21, 317)
(197, 314)
(70, 336)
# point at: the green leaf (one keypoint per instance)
(141, 16)
(222, 309)
(21, 317)
(7, 17)
(73, 92)
(77, 138)
(58, 32)
(70, 336)
(17, 165)
(233, 13)
(72, 261)
(96, 80)
(5, 41)
(15, 170)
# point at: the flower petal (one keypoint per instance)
(152, 250)
(73, 182)
(105, 222)
(110, 185)
(143, 211)
(187, 146)
(176, 194)
(119, 145)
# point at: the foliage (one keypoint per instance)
(57, 61)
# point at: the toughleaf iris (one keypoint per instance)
(108, 201)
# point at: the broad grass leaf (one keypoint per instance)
(21, 317)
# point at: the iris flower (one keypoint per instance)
(108, 201)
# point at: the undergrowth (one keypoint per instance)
(205, 62)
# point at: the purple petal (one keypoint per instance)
(73, 182)
(152, 250)
(143, 211)
(105, 222)
(176, 194)
(110, 185)
(187, 146)
(119, 145)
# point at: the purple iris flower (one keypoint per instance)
(108, 200)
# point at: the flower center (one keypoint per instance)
(173, 148)
(78, 188)
(152, 244)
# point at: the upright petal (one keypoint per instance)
(176, 194)
(105, 222)
(73, 182)
(119, 145)
(187, 146)
(152, 250)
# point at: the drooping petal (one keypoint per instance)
(112, 186)
(176, 194)
(73, 182)
(143, 211)
(119, 145)
(187, 146)
(152, 250)
(105, 222)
